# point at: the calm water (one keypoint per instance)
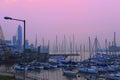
(53, 75)
(50, 74)
(57, 74)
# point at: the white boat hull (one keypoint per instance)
(70, 73)
(88, 70)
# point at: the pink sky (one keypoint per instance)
(48, 18)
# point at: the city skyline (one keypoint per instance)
(48, 18)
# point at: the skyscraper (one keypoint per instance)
(26, 44)
(14, 40)
(19, 41)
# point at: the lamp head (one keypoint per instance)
(8, 18)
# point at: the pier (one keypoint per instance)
(65, 55)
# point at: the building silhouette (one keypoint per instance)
(19, 40)
(14, 40)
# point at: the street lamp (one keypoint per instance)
(9, 18)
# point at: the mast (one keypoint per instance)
(84, 51)
(49, 46)
(114, 39)
(64, 44)
(114, 44)
(80, 53)
(36, 43)
(56, 44)
(109, 48)
(106, 45)
(59, 48)
(90, 50)
(43, 45)
(73, 45)
(96, 45)
(70, 49)
(76, 47)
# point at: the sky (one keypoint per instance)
(48, 18)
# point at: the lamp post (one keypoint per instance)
(9, 18)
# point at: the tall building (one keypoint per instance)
(14, 40)
(19, 41)
(26, 44)
(36, 43)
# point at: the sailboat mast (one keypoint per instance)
(114, 39)
(89, 51)
(109, 48)
(84, 51)
(56, 44)
(70, 48)
(73, 45)
(36, 43)
(48, 45)
(106, 45)
(64, 44)
(90, 47)
(80, 53)
(43, 45)
(114, 43)
(96, 45)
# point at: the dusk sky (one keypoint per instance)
(48, 18)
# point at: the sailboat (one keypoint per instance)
(89, 68)
(115, 76)
(69, 73)
(69, 70)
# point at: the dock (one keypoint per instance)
(65, 55)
